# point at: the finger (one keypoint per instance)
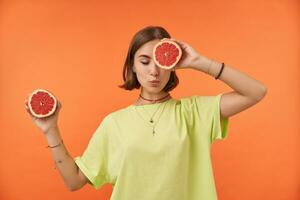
(28, 111)
(26, 105)
(58, 105)
(176, 40)
(182, 44)
(165, 39)
(30, 114)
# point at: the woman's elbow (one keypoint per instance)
(73, 188)
(78, 183)
(261, 93)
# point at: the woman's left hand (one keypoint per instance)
(191, 58)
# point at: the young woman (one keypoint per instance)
(158, 147)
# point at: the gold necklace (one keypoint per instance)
(151, 119)
(155, 100)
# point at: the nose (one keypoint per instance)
(154, 70)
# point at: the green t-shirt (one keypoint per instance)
(172, 164)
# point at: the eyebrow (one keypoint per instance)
(144, 56)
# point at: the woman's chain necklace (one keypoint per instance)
(151, 120)
(151, 117)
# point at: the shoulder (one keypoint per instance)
(120, 111)
(201, 101)
(117, 114)
(204, 98)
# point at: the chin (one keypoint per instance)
(153, 89)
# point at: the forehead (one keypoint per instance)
(146, 49)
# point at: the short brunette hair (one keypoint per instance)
(140, 38)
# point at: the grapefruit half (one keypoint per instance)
(166, 53)
(42, 103)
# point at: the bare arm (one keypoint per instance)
(71, 174)
(247, 90)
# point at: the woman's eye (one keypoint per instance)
(145, 63)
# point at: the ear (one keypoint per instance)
(133, 69)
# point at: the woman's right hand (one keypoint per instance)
(47, 123)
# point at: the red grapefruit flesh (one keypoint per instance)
(42, 103)
(166, 53)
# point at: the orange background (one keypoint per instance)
(76, 49)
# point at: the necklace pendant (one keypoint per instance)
(153, 131)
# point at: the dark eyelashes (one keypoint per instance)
(145, 63)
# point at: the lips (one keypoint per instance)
(154, 81)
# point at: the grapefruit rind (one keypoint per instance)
(52, 98)
(159, 44)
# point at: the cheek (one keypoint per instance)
(140, 73)
(140, 76)
(166, 77)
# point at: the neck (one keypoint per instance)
(151, 98)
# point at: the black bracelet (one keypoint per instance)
(61, 142)
(223, 65)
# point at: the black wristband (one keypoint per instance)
(223, 65)
(60, 143)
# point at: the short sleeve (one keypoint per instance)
(206, 110)
(93, 162)
(219, 125)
